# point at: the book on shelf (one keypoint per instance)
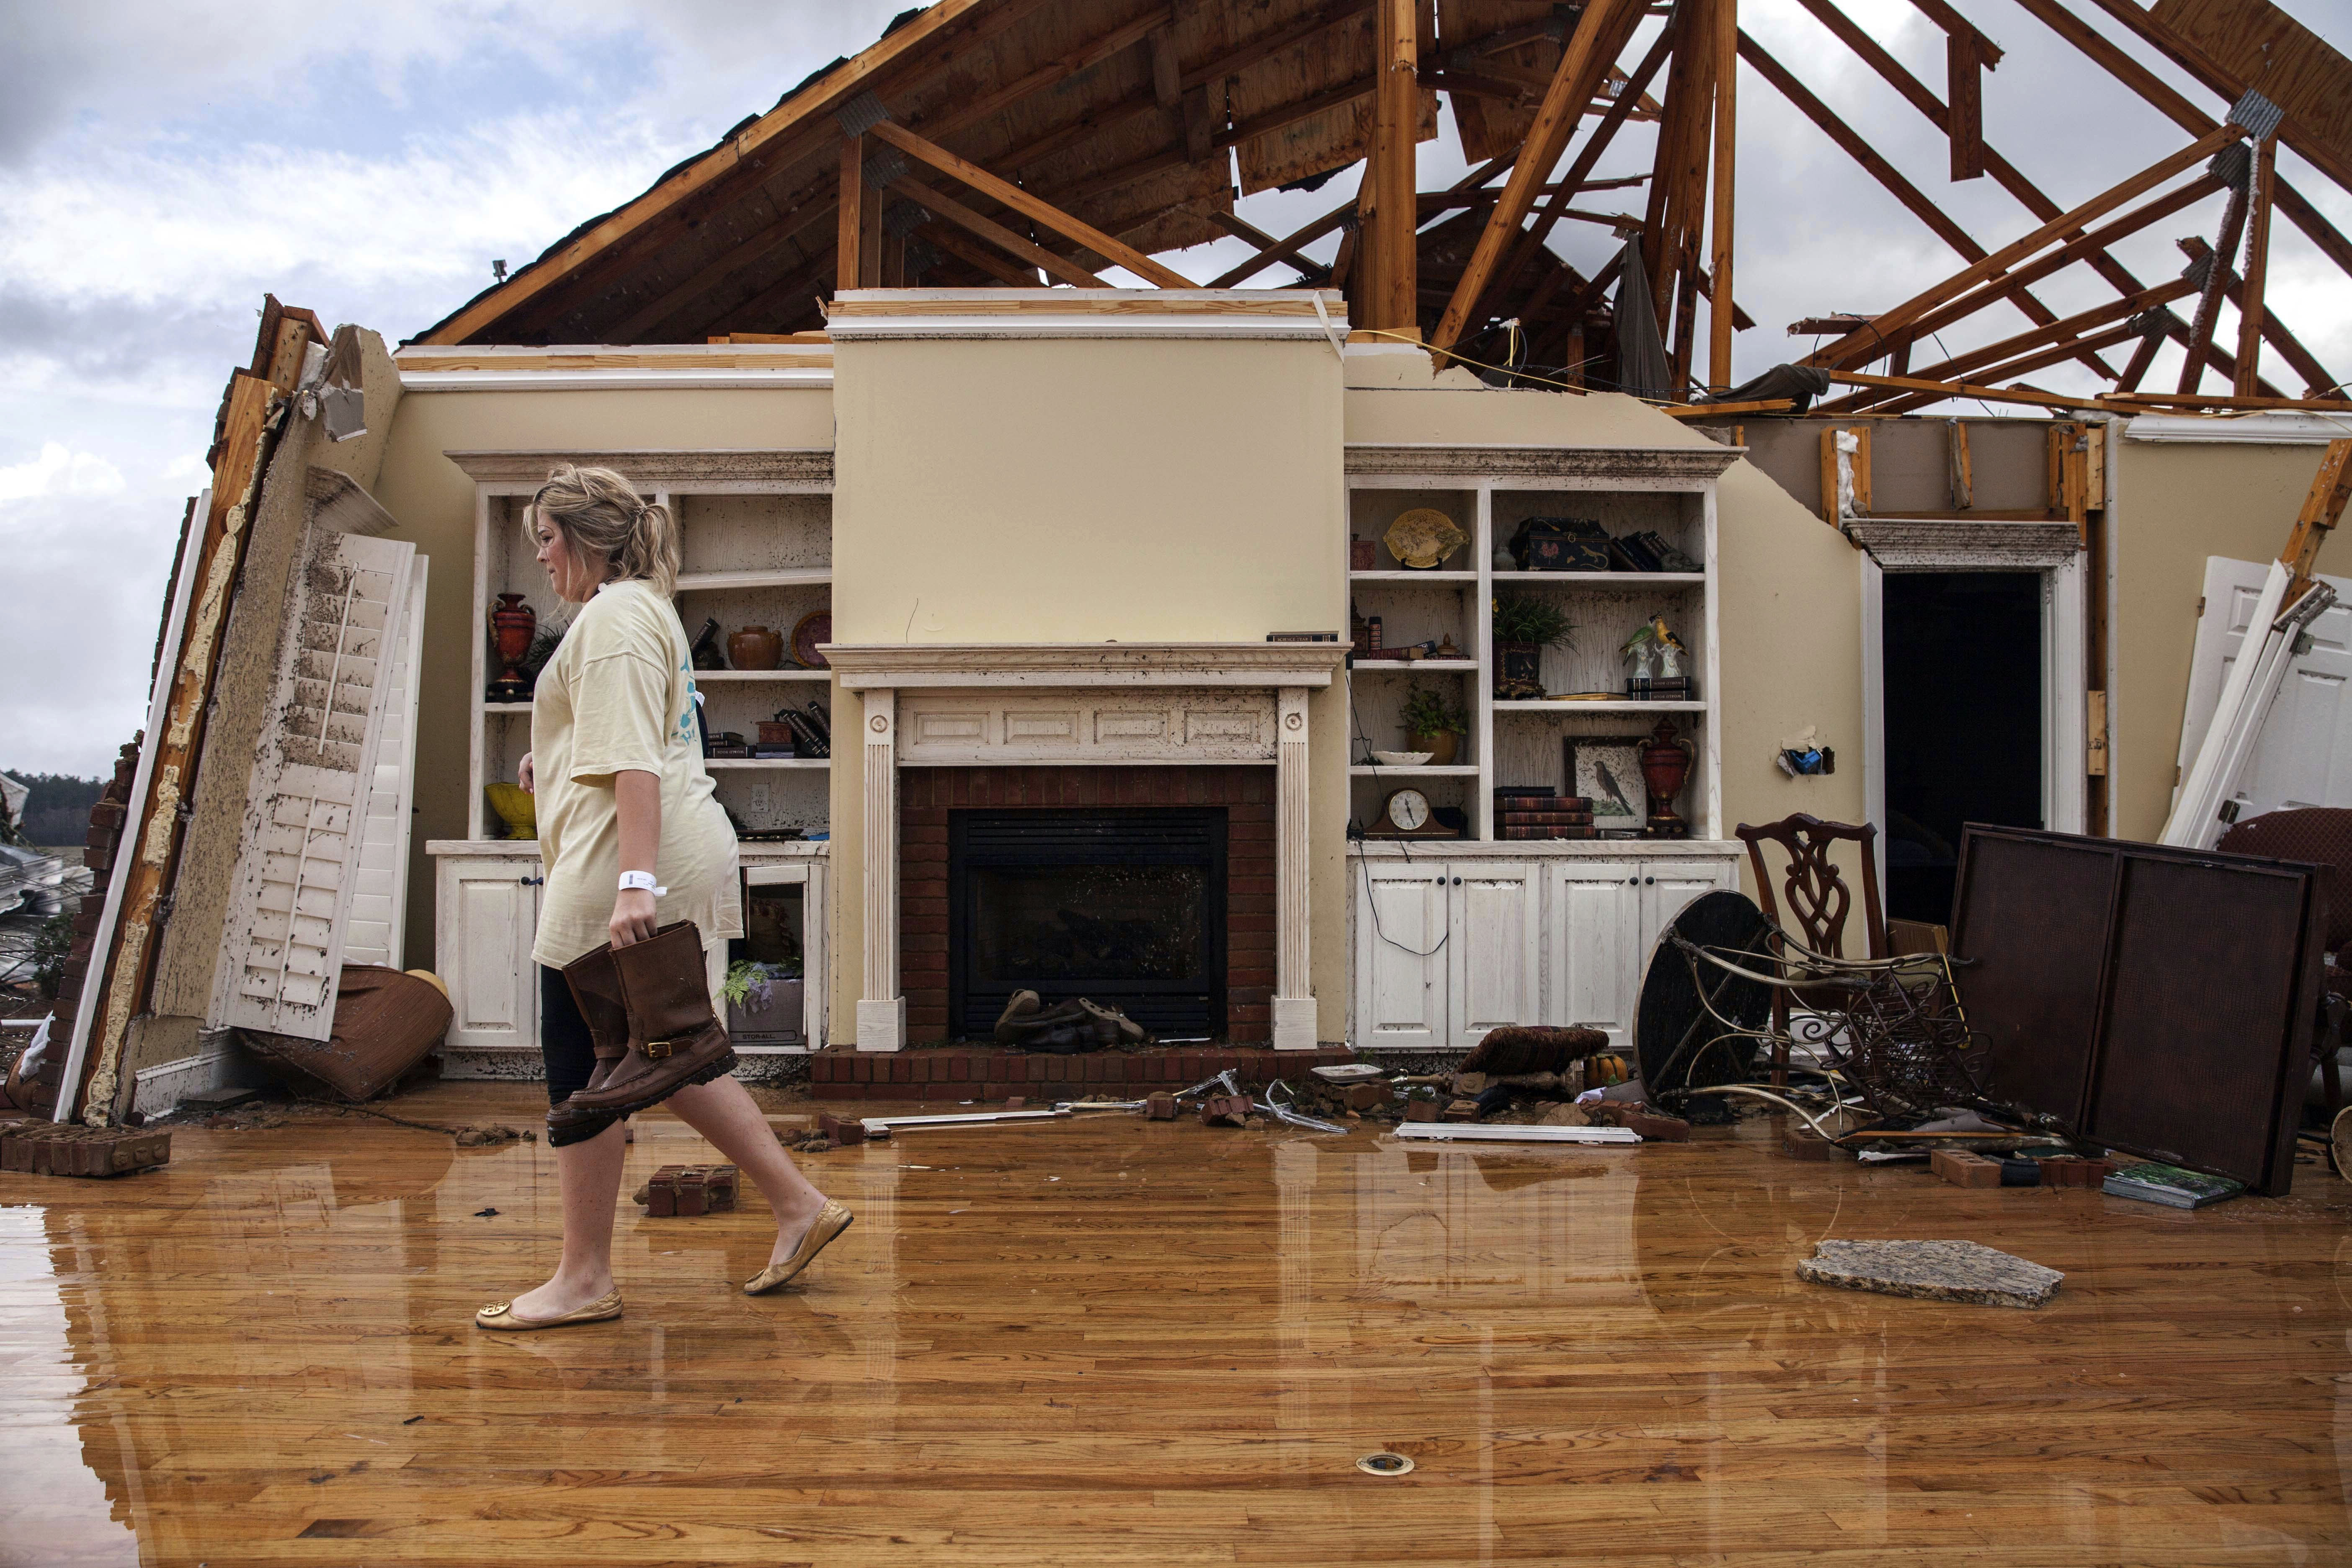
(2152, 1182)
(1545, 818)
(1513, 831)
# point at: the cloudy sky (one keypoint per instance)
(163, 165)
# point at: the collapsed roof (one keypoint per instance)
(1019, 142)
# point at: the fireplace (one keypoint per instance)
(1125, 906)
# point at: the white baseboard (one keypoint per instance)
(219, 1063)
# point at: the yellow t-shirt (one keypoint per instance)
(618, 696)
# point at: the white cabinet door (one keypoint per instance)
(1400, 952)
(1593, 953)
(1495, 937)
(1666, 887)
(488, 918)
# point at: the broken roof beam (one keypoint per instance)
(2183, 114)
(2251, 312)
(1865, 342)
(1902, 190)
(970, 174)
(2316, 381)
(2022, 364)
(1580, 65)
(1945, 389)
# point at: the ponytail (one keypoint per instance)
(602, 514)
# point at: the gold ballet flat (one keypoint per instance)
(502, 1314)
(829, 1222)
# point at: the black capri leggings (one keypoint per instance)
(564, 1039)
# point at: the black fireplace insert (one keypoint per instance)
(1125, 906)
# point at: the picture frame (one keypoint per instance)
(1607, 771)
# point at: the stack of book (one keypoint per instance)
(2170, 1185)
(1538, 811)
(725, 743)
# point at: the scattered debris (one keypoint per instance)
(486, 1214)
(1385, 1463)
(1481, 1134)
(880, 1126)
(840, 1131)
(1931, 1271)
(2151, 1183)
(689, 1192)
(1225, 1110)
(205, 1101)
(1160, 1106)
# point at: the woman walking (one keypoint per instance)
(640, 868)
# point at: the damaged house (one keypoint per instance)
(1402, 645)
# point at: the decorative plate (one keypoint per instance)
(1424, 537)
(815, 627)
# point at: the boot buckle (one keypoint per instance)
(660, 1049)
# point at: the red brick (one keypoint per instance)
(861, 1069)
(1115, 1067)
(901, 1069)
(1057, 1069)
(959, 1068)
(1035, 1072)
(1964, 1170)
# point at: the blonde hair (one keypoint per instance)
(600, 512)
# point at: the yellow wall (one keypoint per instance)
(1084, 489)
(2176, 504)
(433, 500)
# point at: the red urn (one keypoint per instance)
(512, 626)
(1665, 768)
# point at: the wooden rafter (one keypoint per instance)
(1043, 213)
(1887, 175)
(939, 203)
(2209, 298)
(1726, 43)
(1863, 344)
(2183, 114)
(1580, 65)
(1391, 302)
(1975, 363)
(2316, 381)
(2251, 310)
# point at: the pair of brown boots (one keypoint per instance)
(649, 1011)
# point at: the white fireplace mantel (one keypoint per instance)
(1185, 703)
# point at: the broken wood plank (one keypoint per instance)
(970, 173)
(1964, 92)
(1712, 410)
(849, 243)
(2209, 298)
(987, 259)
(2322, 508)
(2317, 379)
(2028, 397)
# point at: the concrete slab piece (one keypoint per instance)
(1931, 1271)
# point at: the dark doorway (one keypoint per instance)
(1963, 685)
(1124, 905)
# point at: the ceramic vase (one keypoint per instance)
(1665, 768)
(1440, 744)
(755, 648)
(512, 626)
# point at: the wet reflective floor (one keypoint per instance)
(1131, 1342)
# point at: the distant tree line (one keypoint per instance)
(57, 811)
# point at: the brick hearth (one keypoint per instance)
(987, 1072)
(925, 795)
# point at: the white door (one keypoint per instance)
(380, 903)
(1401, 939)
(1592, 948)
(488, 919)
(297, 868)
(2304, 754)
(1494, 935)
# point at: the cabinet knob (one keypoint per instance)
(1632, 881)
(1649, 881)
(1457, 881)
(531, 881)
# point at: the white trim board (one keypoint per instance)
(2243, 429)
(1482, 1133)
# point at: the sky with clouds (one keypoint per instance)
(164, 162)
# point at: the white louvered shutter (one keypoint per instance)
(379, 902)
(297, 868)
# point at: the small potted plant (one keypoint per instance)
(763, 1002)
(1433, 724)
(1525, 625)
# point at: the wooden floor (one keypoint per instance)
(1131, 1342)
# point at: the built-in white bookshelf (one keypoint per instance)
(1487, 493)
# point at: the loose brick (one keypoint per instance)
(1963, 1169)
(1159, 1106)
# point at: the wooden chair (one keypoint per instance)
(1819, 903)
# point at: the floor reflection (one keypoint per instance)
(1086, 1341)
